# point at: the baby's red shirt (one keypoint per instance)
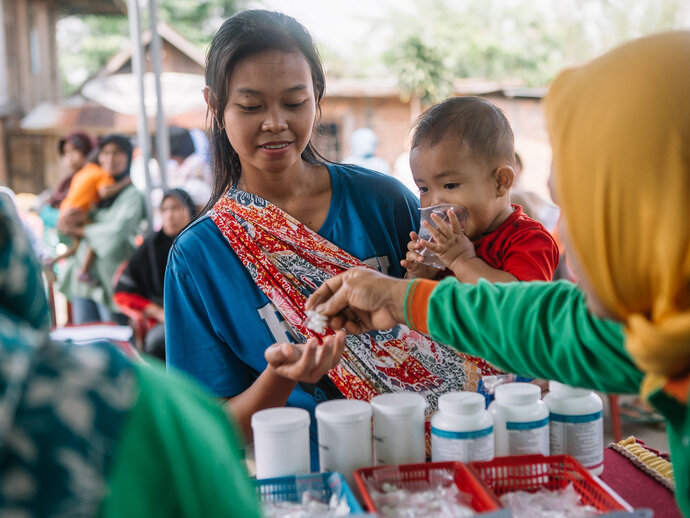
(520, 246)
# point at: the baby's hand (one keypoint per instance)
(413, 261)
(450, 243)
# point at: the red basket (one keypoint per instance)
(416, 476)
(533, 472)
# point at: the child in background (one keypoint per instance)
(462, 153)
(90, 185)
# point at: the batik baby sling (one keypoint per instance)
(288, 261)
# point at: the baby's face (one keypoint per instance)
(448, 172)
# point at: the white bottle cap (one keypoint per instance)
(559, 389)
(400, 403)
(343, 411)
(461, 403)
(280, 419)
(518, 393)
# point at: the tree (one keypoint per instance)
(421, 72)
(85, 43)
(524, 39)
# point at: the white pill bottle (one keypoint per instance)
(462, 429)
(576, 425)
(281, 442)
(399, 428)
(521, 420)
(344, 427)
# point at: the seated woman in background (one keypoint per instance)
(140, 287)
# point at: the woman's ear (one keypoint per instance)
(210, 99)
(505, 176)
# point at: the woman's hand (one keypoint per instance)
(307, 362)
(155, 311)
(361, 299)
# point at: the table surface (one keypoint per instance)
(636, 487)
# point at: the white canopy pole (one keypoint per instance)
(162, 139)
(143, 135)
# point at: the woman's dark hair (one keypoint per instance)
(181, 142)
(80, 140)
(242, 35)
(468, 120)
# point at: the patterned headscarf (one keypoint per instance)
(620, 131)
(22, 298)
(62, 407)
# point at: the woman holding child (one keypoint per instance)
(281, 221)
(109, 233)
(624, 204)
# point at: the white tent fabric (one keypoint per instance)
(181, 93)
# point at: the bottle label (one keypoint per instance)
(581, 436)
(529, 437)
(472, 446)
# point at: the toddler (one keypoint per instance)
(462, 153)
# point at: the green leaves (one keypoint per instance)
(420, 70)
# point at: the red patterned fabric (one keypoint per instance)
(288, 261)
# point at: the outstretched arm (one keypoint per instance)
(537, 329)
(288, 364)
(112, 190)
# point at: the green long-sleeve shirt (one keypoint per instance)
(178, 455)
(545, 330)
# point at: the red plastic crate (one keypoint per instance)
(534, 472)
(415, 476)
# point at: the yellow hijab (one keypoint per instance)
(620, 132)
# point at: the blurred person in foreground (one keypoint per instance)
(86, 432)
(626, 329)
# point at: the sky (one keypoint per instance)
(338, 23)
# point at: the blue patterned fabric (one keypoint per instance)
(21, 286)
(61, 407)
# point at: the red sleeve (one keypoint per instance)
(130, 300)
(532, 255)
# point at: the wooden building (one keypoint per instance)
(32, 140)
(29, 76)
